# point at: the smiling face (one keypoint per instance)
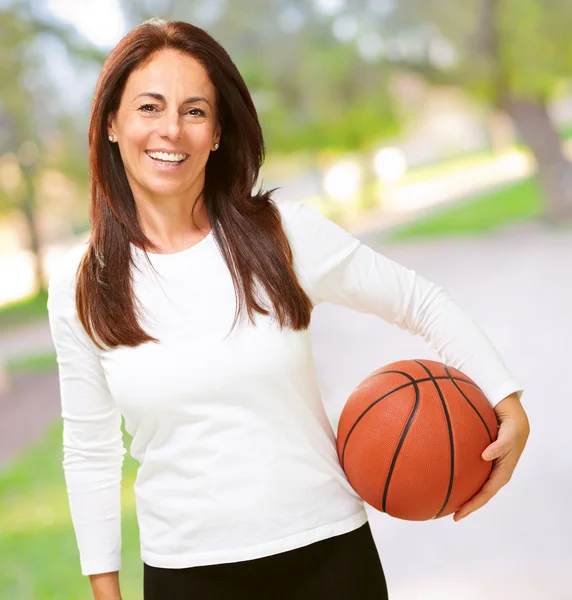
(167, 105)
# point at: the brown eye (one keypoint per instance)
(145, 106)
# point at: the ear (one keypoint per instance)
(217, 132)
(111, 125)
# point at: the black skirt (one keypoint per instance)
(343, 567)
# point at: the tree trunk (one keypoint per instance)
(531, 119)
(28, 207)
(534, 125)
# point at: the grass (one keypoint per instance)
(447, 167)
(40, 559)
(22, 312)
(515, 203)
(32, 363)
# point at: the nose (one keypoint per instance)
(170, 125)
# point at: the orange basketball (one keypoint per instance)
(410, 439)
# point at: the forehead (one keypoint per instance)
(170, 72)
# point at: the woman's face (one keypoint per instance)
(167, 105)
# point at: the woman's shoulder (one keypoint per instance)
(316, 239)
(300, 221)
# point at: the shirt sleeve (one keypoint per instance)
(93, 448)
(340, 269)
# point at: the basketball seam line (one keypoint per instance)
(398, 449)
(472, 405)
(450, 430)
(401, 387)
(397, 389)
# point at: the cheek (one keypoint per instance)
(134, 133)
(201, 138)
(138, 135)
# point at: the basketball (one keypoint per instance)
(410, 439)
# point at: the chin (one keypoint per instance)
(165, 186)
(164, 190)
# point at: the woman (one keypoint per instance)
(239, 491)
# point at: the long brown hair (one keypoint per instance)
(246, 226)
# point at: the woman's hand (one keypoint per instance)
(513, 432)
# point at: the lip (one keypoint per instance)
(165, 167)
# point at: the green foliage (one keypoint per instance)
(30, 110)
(357, 128)
(314, 93)
(524, 45)
(535, 48)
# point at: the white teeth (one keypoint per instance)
(167, 156)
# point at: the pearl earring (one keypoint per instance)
(216, 146)
(111, 138)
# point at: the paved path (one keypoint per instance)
(35, 338)
(32, 404)
(518, 286)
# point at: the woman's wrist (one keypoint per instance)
(105, 586)
(511, 408)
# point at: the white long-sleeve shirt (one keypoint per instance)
(237, 456)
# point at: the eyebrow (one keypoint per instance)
(161, 98)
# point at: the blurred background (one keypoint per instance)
(437, 132)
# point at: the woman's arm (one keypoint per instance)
(105, 586)
(92, 439)
(511, 408)
(342, 270)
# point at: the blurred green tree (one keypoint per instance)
(313, 92)
(512, 54)
(35, 130)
